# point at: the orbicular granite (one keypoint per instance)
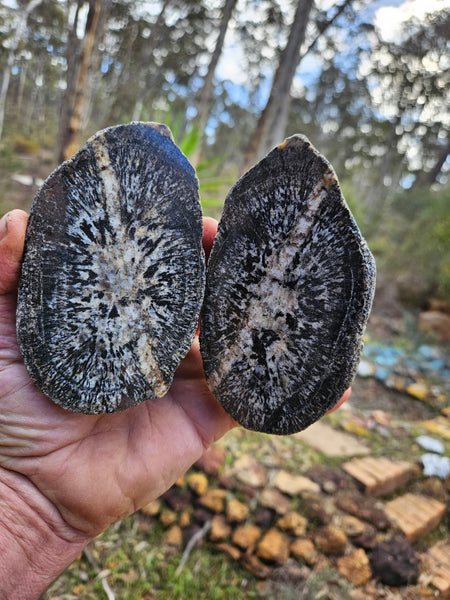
(113, 272)
(290, 282)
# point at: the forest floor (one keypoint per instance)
(21, 175)
(349, 509)
(346, 510)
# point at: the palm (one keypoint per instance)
(98, 469)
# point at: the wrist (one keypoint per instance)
(36, 545)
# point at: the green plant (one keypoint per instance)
(213, 185)
(414, 246)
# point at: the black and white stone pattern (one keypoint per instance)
(290, 283)
(113, 273)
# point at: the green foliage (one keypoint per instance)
(9, 162)
(138, 566)
(212, 183)
(190, 141)
(414, 245)
(351, 197)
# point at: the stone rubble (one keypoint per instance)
(365, 516)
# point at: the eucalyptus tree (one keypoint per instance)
(272, 122)
(18, 30)
(206, 92)
(378, 108)
(81, 55)
(153, 53)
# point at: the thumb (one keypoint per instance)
(12, 235)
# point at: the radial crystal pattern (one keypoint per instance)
(290, 283)
(113, 272)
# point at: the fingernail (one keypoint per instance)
(4, 226)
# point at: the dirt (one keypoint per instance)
(370, 394)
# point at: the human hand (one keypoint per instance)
(64, 477)
(94, 469)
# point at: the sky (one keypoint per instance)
(388, 19)
(387, 16)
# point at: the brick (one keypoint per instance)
(436, 562)
(415, 515)
(329, 441)
(379, 475)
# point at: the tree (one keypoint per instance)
(410, 84)
(153, 67)
(206, 94)
(427, 178)
(80, 55)
(277, 104)
(156, 36)
(19, 28)
(271, 126)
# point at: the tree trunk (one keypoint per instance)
(20, 91)
(94, 72)
(119, 79)
(427, 178)
(206, 93)
(20, 29)
(272, 122)
(78, 67)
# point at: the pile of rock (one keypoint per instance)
(269, 518)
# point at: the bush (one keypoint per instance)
(414, 246)
(23, 145)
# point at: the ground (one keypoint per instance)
(280, 517)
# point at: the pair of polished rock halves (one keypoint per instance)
(113, 282)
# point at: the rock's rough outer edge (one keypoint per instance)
(298, 163)
(177, 202)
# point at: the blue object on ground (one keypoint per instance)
(428, 443)
(435, 465)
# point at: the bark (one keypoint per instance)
(94, 73)
(276, 109)
(80, 56)
(19, 34)
(206, 94)
(20, 91)
(427, 178)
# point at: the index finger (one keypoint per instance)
(12, 236)
(209, 233)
